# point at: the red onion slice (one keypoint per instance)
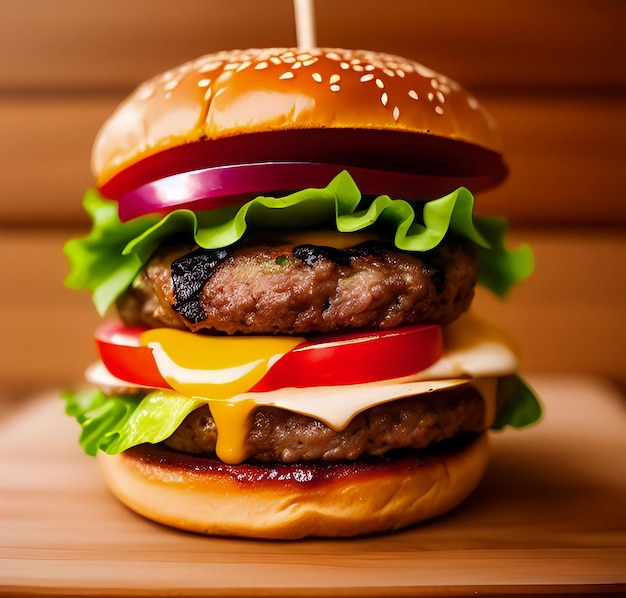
(221, 186)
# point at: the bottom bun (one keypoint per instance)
(286, 501)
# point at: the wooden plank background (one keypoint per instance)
(551, 72)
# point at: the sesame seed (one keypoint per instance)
(389, 72)
(413, 94)
(275, 60)
(473, 104)
(210, 66)
(369, 67)
(384, 98)
(207, 94)
(434, 83)
(344, 65)
(243, 66)
(438, 109)
(335, 87)
(317, 77)
(261, 65)
(423, 71)
(379, 83)
(310, 61)
(333, 56)
(287, 75)
(431, 95)
(441, 97)
(358, 68)
(400, 73)
(231, 66)
(204, 82)
(334, 78)
(170, 85)
(289, 59)
(366, 78)
(396, 113)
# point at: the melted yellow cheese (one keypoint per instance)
(217, 368)
(232, 423)
(473, 348)
(214, 367)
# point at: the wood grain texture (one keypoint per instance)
(546, 520)
(519, 44)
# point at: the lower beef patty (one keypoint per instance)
(287, 289)
(276, 435)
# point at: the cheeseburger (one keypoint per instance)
(285, 252)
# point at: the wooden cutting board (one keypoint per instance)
(549, 518)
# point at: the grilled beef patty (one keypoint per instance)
(276, 435)
(300, 289)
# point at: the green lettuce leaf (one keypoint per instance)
(517, 405)
(500, 268)
(108, 259)
(98, 262)
(114, 424)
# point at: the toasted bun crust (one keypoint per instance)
(240, 92)
(290, 502)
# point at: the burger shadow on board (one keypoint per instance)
(527, 488)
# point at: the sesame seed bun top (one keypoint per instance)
(232, 94)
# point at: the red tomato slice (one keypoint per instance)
(356, 358)
(337, 360)
(122, 354)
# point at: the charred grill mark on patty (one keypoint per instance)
(301, 289)
(309, 254)
(189, 275)
(276, 435)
